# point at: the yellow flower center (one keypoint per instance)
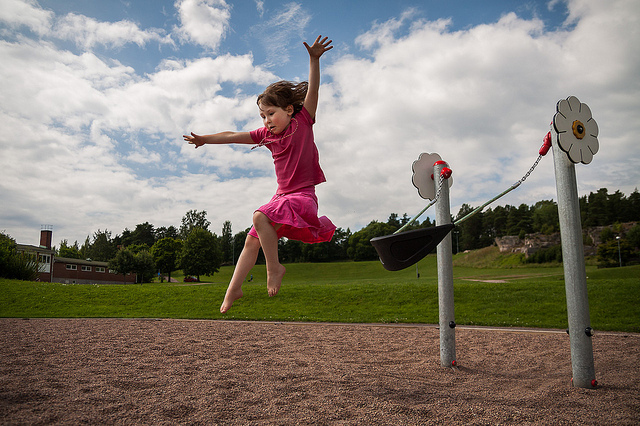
(578, 129)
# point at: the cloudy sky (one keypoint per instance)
(96, 95)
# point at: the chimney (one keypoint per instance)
(46, 235)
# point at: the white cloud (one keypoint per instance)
(278, 31)
(260, 7)
(384, 33)
(87, 32)
(26, 12)
(204, 22)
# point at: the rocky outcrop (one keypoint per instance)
(529, 245)
(534, 242)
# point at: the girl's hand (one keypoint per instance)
(319, 47)
(194, 139)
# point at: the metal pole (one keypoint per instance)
(575, 275)
(619, 254)
(445, 277)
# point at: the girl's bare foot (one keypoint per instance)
(274, 280)
(229, 298)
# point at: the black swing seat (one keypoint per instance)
(399, 251)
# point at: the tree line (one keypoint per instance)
(598, 208)
(480, 230)
(193, 248)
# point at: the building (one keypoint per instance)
(71, 271)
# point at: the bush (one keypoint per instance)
(546, 255)
(16, 265)
(610, 254)
(633, 236)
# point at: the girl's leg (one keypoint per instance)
(246, 261)
(269, 241)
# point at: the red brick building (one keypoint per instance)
(71, 271)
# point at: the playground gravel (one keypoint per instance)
(161, 372)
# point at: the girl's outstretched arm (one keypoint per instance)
(218, 138)
(315, 51)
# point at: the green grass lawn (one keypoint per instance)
(362, 292)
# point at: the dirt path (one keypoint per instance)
(110, 371)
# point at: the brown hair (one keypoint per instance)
(284, 93)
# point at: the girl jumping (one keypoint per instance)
(288, 112)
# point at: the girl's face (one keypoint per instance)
(276, 119)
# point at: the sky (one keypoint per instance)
(96, 96)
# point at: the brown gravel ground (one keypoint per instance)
(111, 371)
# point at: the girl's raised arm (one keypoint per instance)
(219, 138)
(315, 51)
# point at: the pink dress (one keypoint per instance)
(296, 160)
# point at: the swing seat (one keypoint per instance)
(399, 251)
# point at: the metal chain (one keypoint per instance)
(514, 186)
(530, 170)
(442, 178)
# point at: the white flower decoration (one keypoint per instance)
(422, 172)
(577, 131)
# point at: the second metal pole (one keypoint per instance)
(445, 276)
(575, 275)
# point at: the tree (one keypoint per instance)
(86, 247)
(226, 243)
(193, 219)
(238, 245)
(139, 262)
(394, 221)
(102, 247)
(473, 233)
(606, 235)
(125, 239)
(339, 245)
(609, 256)
(123, 263)
(633, 236)
(545, 217)
(144, 234)
(596, 209)
(519, 220)
(164, 232)
(290, 251)
(633, 208)
(360, 247)
(71, 252)
(495, 221)
(138, 248)
(165, 254)
(201, 254)
(145, 267)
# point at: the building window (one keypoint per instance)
(72, 267)
(86, 268)
(44, 258)
(99, 269)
